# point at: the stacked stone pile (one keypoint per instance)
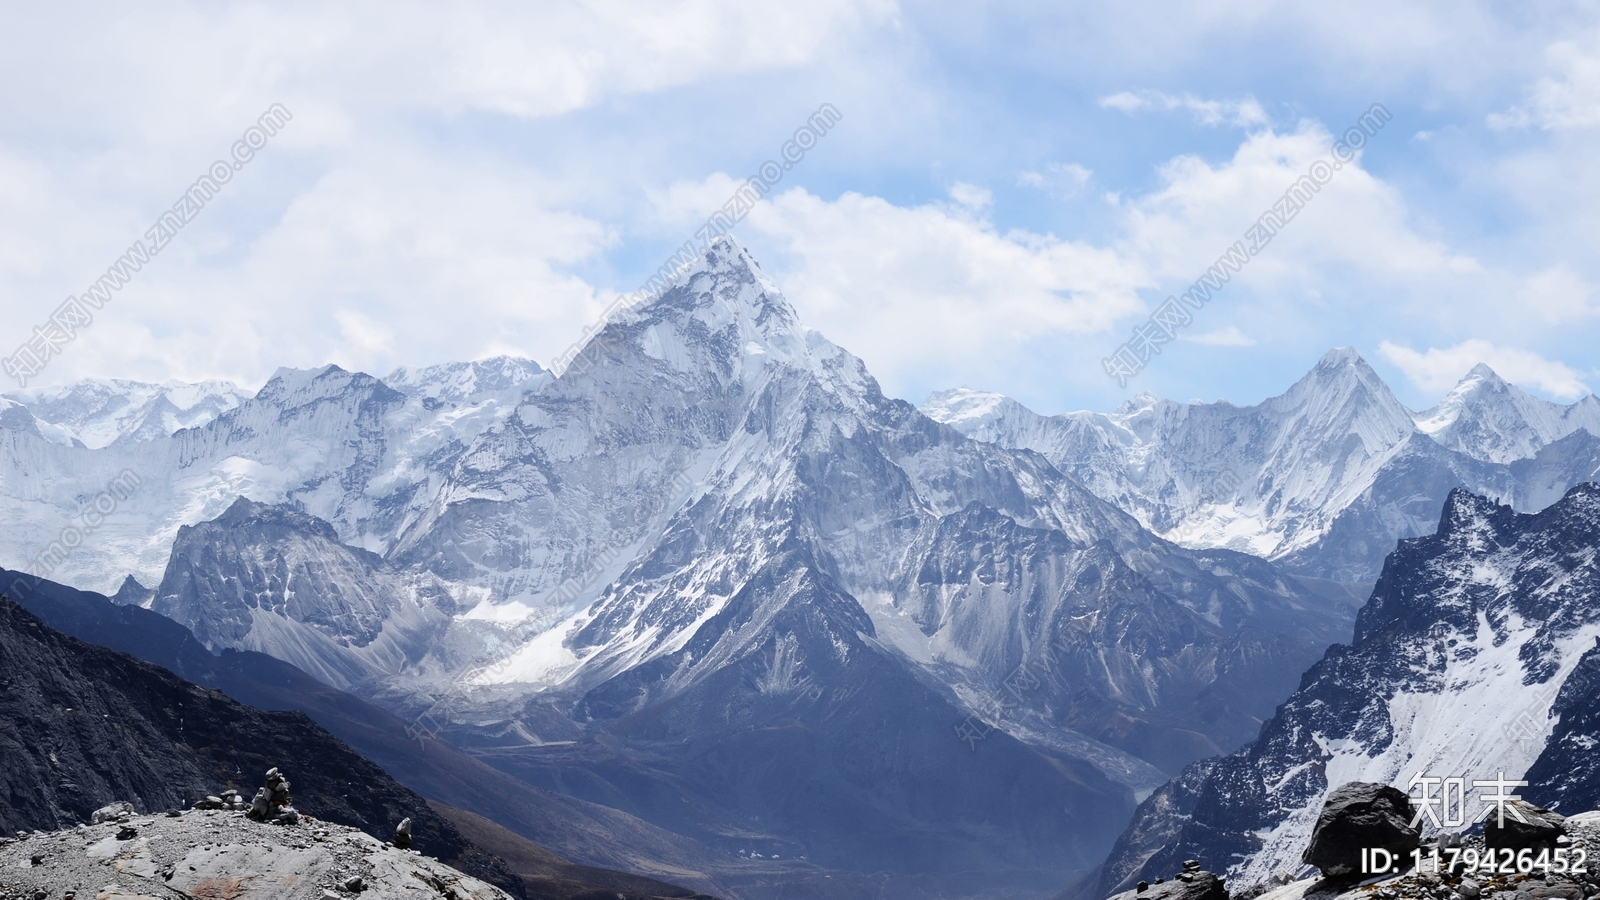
(231, 800)
(273, 803)
(1193, 883)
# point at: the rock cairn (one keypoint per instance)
(229, 800)
(402, 835)
(1193, 883)
(273, 803)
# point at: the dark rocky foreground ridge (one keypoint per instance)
(82, 726)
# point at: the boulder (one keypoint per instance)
(1360, 815)
(1535, 829)
(121, 811)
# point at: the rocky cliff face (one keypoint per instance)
(1470, 638)
(275, 580)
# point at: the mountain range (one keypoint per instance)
(710, 578)
(1323, 478)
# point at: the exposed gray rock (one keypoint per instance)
(1360, 815)
(217, 854)
(1193, 883)
(1525, 825)
(119, 811)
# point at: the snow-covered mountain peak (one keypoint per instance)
(1265, 479)
(1341, 356)
(1457, 663)
(289, 388)
(101, 411)
(275, 579)
(1138, 403)
(1479, 386)
(244, 510)
(1341, 391)
(962, 404)
(459, 382)
(1466, 512)
(1489, 419)
(1482, 372)
(721, 315)
(16, 417)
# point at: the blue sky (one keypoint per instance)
(1013, 187)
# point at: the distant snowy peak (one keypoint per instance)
(1262, 479)
(16, 417)
(978, 413)
(721, 315)
(101, 411)
(294, 388)
(1325, 476)
(1489, 419)
(1343, 395)
(464, 382)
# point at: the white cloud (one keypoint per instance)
(1556, 295)
(396, 219)
(410, 262)
(1221, 337)
(940, 286)
(434, 163)
(1437, 370)
(1570, 99)
(1242, 113)
(1061, 180)
(1356, 222)
(930, 288)
(159, 73)
(971, 196)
